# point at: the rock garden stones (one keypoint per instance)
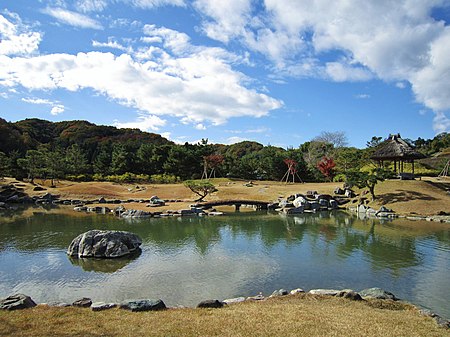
(99, 306)
(104, 244)
(234, 300)
(296, 291)
(378, 293)
(82, 302)
(210, 304)
(280, 292)
(143, 305)
(17, 301)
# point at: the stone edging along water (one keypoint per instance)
(21, 301)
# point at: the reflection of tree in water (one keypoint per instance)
(103, 265)
(383, 252)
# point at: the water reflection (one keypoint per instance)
(185, 260)
(103, 265)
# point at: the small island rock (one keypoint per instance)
(105, 244)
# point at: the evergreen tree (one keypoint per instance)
(34, 164)
(102, 160)
(120, 159)
(75, 160)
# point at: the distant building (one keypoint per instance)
(395, 149)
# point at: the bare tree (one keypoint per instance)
(337, 139)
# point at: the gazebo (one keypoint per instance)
(395, 149)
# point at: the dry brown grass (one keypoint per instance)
(422, 197)
(300, 315)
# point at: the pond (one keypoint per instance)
(189, 259)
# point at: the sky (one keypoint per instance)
(278, 72)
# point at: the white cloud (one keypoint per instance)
(235, 139)
(15, 39)
(144, 123)
(156, 3)
(228, 17)
(441, 122)
(91, 5)
(363, 96)
(113, 44)
(56, 107)
(191, 83)
(340, 72)
(395, 41)
(72, 18)
(200, 126)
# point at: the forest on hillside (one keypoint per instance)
(79, 150)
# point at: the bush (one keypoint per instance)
(79, 177)
(339, 178)
(164, 179)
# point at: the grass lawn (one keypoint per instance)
(298, 315)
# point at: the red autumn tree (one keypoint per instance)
(326, 166)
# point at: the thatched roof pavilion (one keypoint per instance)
(395, 149)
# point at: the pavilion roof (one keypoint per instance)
(395, 148)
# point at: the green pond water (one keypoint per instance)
(186, 260)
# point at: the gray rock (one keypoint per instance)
(296, 291)
(143, 305)
(99, 306)
(300, 201)
(210, 304)
(17, 301)
(258, 297)
(234, 300)
(105, 244)
(84, 302)
(59, 304)
(333, 204)
(362, 208)
(350, 294)
(327, 292)
(443, 323)
(314, 205)
(377, 293)
(102, 200)
(280, 292)
(339, 191)
(295, 210)
(323, 203)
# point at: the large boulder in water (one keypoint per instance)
(106, 244)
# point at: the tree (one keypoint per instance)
(54, 164)
(34, 163)
(366, 179)
(349, 158)
(337, 139)
(326, 166)
(119, 159)
(200, 187)
(76, 161)
(102, 160)
(210, 163)
(374, 142)
(3, 165)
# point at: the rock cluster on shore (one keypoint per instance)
(20, 301)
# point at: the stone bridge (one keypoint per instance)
(236, 203)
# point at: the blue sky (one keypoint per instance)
(275, 71)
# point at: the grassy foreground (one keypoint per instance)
(299, 315)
